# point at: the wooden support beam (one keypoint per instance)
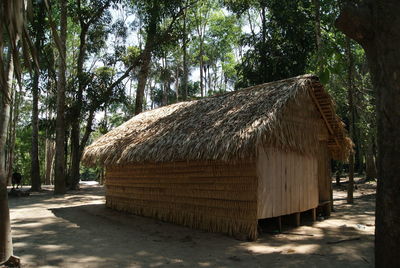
(297, 218)
(280, 224)
(314, 214)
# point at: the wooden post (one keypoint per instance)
(280, 224)
(297, 218)
(314, 214)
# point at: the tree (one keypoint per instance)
(201, 16)
(280, 46)
(12, 21)
(350, 92)
(153, 13)
(375, 26)
(59, 181)
(38, 26)
(92, 18)
(185, 64)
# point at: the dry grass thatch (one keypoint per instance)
(224, 127)
(215, 196)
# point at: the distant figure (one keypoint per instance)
(16, 179)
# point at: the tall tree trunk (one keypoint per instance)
(59, 181)
(209, 77)
(11, 153)
(49, 159)
(317, 28)
(177, 83)
(49, 144)
(185, 76)
(74, 176)
(142, 79)
(264, 40)
(375, 25)
(6, 248)
(151, 31)
(350, 94)
(35, 166)
(201, 68)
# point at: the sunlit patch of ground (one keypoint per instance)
(76, 230)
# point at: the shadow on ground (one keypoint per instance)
(76, 230)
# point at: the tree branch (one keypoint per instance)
(88, 131)
(99, 12)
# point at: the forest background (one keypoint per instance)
(125, 57)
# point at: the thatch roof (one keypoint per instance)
(224, 127)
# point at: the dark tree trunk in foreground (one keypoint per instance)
(6, 248)
(59, 180)
(376, 26)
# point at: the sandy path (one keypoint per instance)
(78, 231)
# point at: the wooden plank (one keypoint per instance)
(273, 180)
(289, 186)
(270, 177)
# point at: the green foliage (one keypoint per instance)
(239, 42)
(281, 46)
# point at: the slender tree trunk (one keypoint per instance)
(317, 26)
(264, 40)
(177, 83)
(350, 92)
(201, 68)
(49, 144)
(185, 77)
(374, 24)
(13, 127)
(49, 159)
(74, 176)
(209, 77)
(6, 247)
(35, 167)
(59, 181)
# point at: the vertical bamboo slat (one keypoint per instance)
(289, 180)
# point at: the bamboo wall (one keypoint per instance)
(288, 182)
(213, 196)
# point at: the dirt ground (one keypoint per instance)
(78, 231)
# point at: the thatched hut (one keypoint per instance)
(224, 162)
